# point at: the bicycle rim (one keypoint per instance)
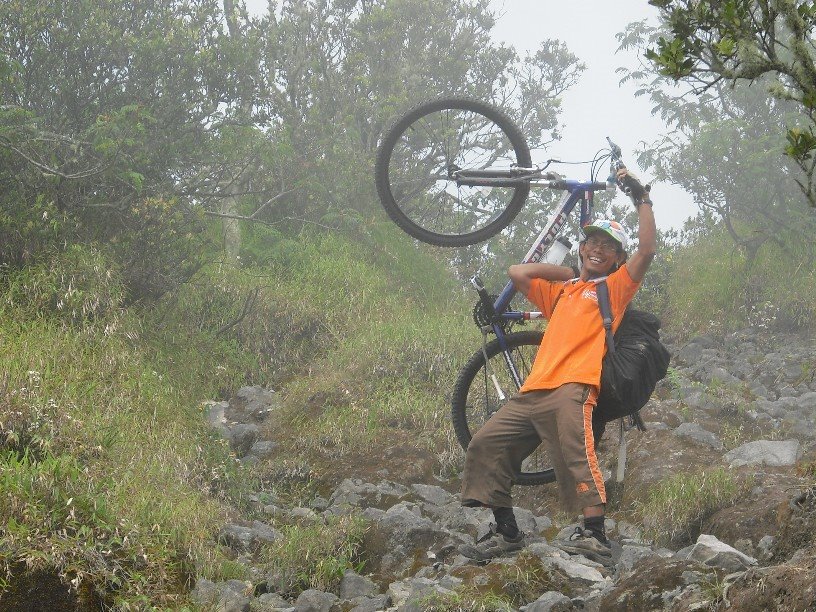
(420, 153)
(476, 397)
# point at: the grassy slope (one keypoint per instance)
(107, 471)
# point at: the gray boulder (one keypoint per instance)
(242, 436)
(712, 552)
(354, 585)
(205, 592)
(764, 452)
(411, 595)
(377, 603)
(351, 494)
(246, 538)
(433, 494)
(262, 449)
(312, 600)
(630, 555)
(404, 525)
(254, 403)
(233, 602)
(695, 433)
(551, 601)
(270, 602)
(215, 413)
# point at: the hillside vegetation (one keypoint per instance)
(110, 477)
(186, 208)
(112, 481)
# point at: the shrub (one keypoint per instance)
(315, 556)
(715, 286)
(675, 509)
(75, 286)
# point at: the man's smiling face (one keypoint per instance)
(600, 254)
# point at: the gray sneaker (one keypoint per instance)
(588, 543)
(491, 545)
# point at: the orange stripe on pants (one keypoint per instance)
(589, 445)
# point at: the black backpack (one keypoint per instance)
(635, 360)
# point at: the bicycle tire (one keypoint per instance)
(475, 399)
(414, 158)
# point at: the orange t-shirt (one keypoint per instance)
(575, 342)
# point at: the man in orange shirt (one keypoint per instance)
(554, 406)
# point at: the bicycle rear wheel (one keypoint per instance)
(476, 398)
(419, 152)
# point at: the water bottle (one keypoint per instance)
(558, 251)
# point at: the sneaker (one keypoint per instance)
(491, 545)
(588, 543)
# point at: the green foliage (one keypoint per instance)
(109, 476)
(109, 132)
(674, 509)
(503, 588)
(76, 286)
(713, 287)
(750, 250)
(132, 121)
(671, 57)
(315, 556)
(744, 41)
(801, 143)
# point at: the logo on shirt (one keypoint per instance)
(589, 294)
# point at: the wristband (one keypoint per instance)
(644, 201)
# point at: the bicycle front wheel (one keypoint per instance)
(420, 153)
(483, 387)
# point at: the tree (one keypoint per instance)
(344, 69)
(126, 121)
(751, 242)
(726, 150)
(129, 123)
(714, 42)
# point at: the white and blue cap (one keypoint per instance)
(611, 228)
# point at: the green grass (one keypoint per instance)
(106, 464)
(712, 286)
(110, 476)
(362, 339)
(397, 375)
(315, 556)
(499, 588)
(675, 508)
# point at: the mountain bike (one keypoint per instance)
(455, 172)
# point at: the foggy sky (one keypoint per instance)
(597, 106)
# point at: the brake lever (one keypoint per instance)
(615, 165)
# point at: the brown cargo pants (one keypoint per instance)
(561, 419)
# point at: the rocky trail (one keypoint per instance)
(745, 403)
